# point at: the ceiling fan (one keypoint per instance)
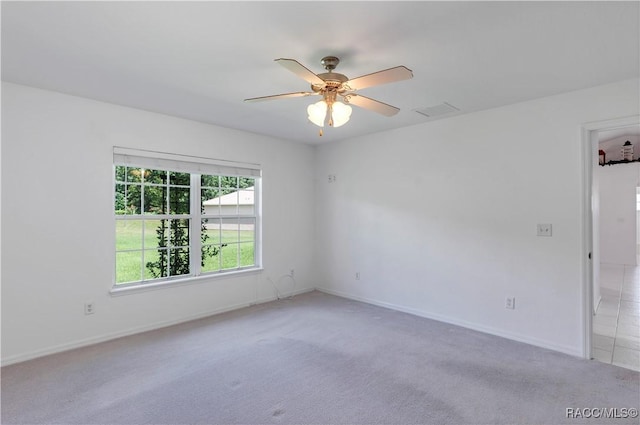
(333, 86)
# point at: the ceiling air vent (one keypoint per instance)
(437, 110)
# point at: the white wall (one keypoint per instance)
(618, 216)
(440, 219)
(57, 220)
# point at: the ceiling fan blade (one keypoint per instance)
(281, 96)
(302, 72)
(371, 104)
(390, 75)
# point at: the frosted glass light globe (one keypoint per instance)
(317, 113)
(341, 113)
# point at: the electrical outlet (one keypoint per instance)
(357, 275)
(510, 303)
(89, 308)
(544, 229)
(332, 178)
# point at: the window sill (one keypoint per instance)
(134, 289)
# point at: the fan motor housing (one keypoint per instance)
(333, 77)
(332, 80)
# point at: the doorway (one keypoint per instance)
(612, 276)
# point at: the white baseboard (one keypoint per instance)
(566, 349)
(132, 331)
(416, 312)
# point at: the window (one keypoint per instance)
(180, 217)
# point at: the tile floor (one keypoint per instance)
(616, 325)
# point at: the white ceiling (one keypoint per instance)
(199, 60)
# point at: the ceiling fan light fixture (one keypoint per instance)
(331, 84)
(317, 113)
(341, 113)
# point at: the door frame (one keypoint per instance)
(589, 227)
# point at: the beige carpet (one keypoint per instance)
(315, 359)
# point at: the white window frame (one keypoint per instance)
(195, 166)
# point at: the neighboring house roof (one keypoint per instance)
(241, 197)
